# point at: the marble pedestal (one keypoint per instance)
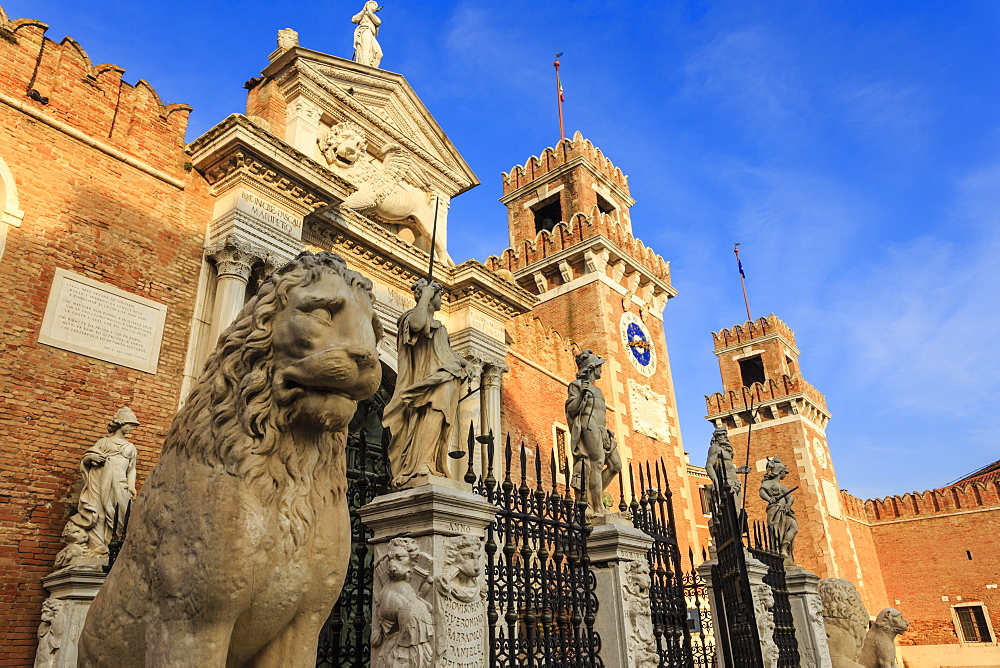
(807, 612)
(71, 591)
(617, 553)
(429, 585)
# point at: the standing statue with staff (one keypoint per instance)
(429, 385)
(720, 456)
(780, 514)
(595, 452)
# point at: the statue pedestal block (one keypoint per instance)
(807, 611)
(429, 585)
(617, 552)
(71, 590)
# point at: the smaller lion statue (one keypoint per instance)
(845, 618)
(239, 542)
(879, 649)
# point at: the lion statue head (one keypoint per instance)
(462, 576)
(637, 578)
(343, 144)
(845, 617)
(880, 643)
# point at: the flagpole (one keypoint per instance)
(559, 99)
(743, 280)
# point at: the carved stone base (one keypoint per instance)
(429, 586)
(71, 590)
(807, 611)
(618, 553)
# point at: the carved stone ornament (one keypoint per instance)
(402, 624)
(395, 190)
(234, 257)
(845, 619)
(287, 39)
(879, 648)
(366, 48)
(51, 633)
(430, 381)
(763, 602)
(641, 641)
(595, 451)
(462, 579)
(245, 517)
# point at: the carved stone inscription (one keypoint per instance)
(466, 629)
(264, 211)
(95, 319)
(649, 411)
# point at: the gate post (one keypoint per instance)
(807, 611)
(618, 556)
(429, 585)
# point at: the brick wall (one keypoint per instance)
(90, 213)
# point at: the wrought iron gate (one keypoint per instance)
(766, 550)
(541, 590)
(345, 639)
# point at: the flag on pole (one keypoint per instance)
(562, 98)
(740, 263)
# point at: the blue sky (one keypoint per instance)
(852, 147)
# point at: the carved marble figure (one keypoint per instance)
(429, 384)
(79, 548)
(780, 514)
(108, 470)
(397, 190)
(462, 579)
(763, 602)
(595, 451)
(238, 546)
(402, 625)
(641, 640)
(845, 619)
(50, 633)
(287, 39)
(879, 648)
(366, 48)
(720, 453)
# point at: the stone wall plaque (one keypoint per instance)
(649, 411)
(98, 320)
(832, 495)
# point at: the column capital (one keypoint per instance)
(493, 374)
(236, 258)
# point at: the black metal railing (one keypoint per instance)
(736, 633)
(345, 641)
(699, 612)
(766, 549)
(541, 593)
(653, 513)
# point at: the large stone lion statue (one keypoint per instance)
(879, 650)
(845, 619)
(238, 543)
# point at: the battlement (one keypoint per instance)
(89, 98)
(974, 495)
(759, 393)
(749, 331)
(578, 228)
(553, 157)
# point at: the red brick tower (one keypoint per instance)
(759, 364)
(600, 288)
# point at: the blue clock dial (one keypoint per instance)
(638, 344)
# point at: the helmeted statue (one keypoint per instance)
(720, 453)
(780, 514)
(108, 470)
(429, 384)
(595, 452)
(366, 48)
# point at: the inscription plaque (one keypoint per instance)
(98, 320)
(649, 411)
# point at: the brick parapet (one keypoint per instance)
(553, 157)
(962, 498)
(759, 393)
(751, 330)
(90, 98)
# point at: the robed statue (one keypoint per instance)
(366, 48)
(595, 452)
(720, 456)
(780, 514)
(429, 384)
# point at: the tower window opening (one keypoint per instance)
(547, 215)
(752, 370)
(791, 366)
(604, 206)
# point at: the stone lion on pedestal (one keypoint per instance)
(845, 619)
(879, 649)
(238, 543)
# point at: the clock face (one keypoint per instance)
(639, 344)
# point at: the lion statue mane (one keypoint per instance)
(845, 619)
(879, 650)
(238, 542)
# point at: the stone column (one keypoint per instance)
(71, 591)
(234, 260)
(807, 612)
(490, 403)
(429, 572)
(617, 552)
